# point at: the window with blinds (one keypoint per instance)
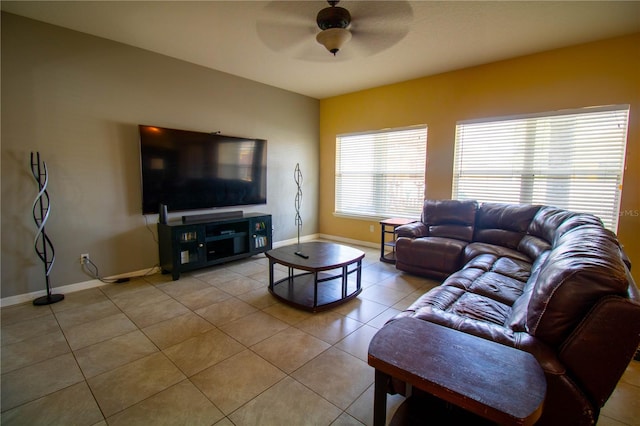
(381, 174)
(568, 159)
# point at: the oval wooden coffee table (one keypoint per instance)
(328, 276)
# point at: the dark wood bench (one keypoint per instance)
(499, 383)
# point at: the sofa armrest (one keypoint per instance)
(602, 346)
(413, 230)
(625, 258)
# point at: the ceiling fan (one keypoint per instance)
(368, 27)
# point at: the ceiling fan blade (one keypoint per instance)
(280, 37)
(293, 11)
(381, 13)
(371, 42)
(285, 24)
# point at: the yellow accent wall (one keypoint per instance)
(600, 73)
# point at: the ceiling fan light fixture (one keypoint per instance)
(333, 38)
(333, 17)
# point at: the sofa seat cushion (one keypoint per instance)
(450, 305)
(498, 287)
(465, 311)
(507, 266)
(489, 283)
(484, 290)
(443, 255)
(474, 250)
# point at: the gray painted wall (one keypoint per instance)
(77, 99)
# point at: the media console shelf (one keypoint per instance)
(185, 247)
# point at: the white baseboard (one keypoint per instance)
(303, 239)
(70, 288)
(22, 298)
(349, 241)
(313, 237)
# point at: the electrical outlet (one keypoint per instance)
(370, 228)
(84, 258)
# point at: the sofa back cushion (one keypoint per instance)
(532, 246)
(551, 222)
(450, 218)
(503, 224)
(578, 221)
(583, 266)
(546, 221)
(547, 225)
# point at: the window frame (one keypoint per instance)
(384, 154)
(542, 167)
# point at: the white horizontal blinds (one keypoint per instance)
(381, 174)
(571, 159)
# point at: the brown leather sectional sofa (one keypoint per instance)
(548, 281)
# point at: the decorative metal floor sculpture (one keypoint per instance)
(297, 177)
(42, 244)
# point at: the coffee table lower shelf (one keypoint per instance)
(303, 292)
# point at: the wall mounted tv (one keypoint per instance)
(189, 170)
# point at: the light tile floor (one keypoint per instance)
(213, 348)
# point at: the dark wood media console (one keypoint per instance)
(185, 247)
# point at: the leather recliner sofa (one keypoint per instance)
(548, 281)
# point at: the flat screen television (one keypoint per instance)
(188, 170)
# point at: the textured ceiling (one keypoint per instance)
(274, 42)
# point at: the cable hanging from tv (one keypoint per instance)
(91, 269)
